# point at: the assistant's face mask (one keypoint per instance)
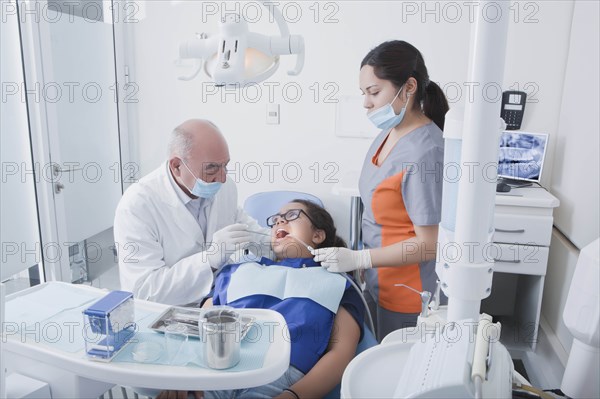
(201, 188)
(384, 117)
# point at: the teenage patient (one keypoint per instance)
(324, 320)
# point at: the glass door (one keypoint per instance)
(71, 90)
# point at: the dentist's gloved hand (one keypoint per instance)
(339, 260)
(225, 242)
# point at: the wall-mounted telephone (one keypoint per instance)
(513, 107)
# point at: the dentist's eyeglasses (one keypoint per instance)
(290, 215)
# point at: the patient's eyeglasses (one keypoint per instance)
(288, 216)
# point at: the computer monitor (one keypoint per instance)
(522, 156)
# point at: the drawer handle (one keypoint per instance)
(507, 261)
(509, 231)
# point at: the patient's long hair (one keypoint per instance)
(322, 220)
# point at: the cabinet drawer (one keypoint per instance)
(522, 229)
(520, 259)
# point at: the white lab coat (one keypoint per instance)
(160, 244)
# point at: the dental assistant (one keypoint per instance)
(181, 222)
(400, 186)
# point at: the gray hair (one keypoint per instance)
(180, 143)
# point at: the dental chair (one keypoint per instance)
(262, 205)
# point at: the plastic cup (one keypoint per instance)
(175, 337)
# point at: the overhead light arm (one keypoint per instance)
(199, 50)
(295, 42)
(236, 56)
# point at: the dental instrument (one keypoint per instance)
(258, 232)
(425, 298)
(311, 249)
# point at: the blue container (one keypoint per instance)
(109, 325)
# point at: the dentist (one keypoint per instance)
(181, 222)
(400, 186)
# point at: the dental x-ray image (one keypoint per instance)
(522, 155)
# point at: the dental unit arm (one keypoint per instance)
(451, 362)
(463, 356)
(435, 302)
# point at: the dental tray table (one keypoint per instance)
(73, 375)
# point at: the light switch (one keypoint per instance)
(272, 114)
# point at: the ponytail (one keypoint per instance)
(435, 104)
(397, 61)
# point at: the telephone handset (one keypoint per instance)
(513, 107)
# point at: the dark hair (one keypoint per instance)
(322, 220)
(397, 61)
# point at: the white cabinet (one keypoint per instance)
(522, 229)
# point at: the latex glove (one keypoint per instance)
(225, 242)
(338, 260)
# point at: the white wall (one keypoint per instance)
(576, 170)
(537, 48)
(18, 212)
(576, 174)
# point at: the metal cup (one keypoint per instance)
(220, 331)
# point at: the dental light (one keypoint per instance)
(236, 56)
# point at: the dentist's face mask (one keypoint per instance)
(384, 117)
(201, 188)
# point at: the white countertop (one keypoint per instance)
(533, 196)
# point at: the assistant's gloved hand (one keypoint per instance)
(338, 260)
(225, 242)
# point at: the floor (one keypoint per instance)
(119, 393)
